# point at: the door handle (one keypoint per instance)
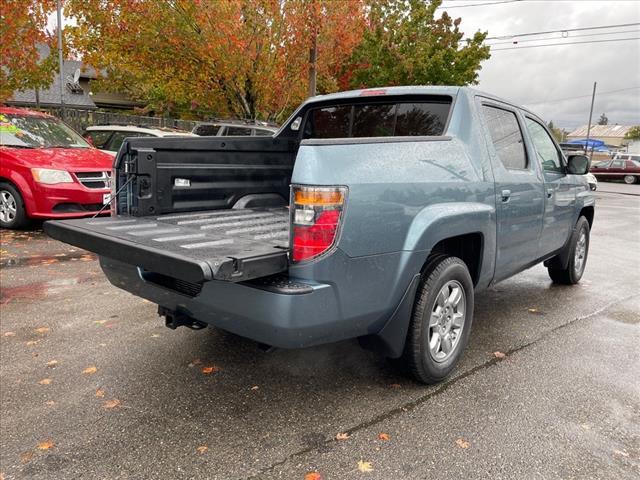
(506, 195)
(549, 192)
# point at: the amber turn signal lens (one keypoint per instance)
(317, 196)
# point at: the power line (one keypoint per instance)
(581, 96)
(565, 43)
(555, 38)
(528, 34)
(478, 4)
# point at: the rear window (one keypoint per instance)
(238, 131)
(205, 130)
(378, 120)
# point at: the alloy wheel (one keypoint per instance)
(8, 207)
(446, 321)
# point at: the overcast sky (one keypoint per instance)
(539, 77)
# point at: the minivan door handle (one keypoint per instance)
(506, 195)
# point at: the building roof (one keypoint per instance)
(616, 131)
(51, 96)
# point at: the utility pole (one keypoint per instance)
(313, 58)
(60, 60)
(593, 98)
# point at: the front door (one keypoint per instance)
(519, 191)
(560, 189)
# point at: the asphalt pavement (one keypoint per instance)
(92, 385)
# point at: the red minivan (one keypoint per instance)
(47, 170)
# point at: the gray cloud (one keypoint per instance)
(538, 77)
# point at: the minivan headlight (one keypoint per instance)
(49, 176)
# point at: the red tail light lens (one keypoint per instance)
(315, 220)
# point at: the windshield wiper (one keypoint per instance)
(17, 146)
(63, 146)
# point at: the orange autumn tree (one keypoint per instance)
(244, 58)
(22, 29)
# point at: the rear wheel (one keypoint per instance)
(12, 212)
(579, 245)
(441, 320)
(629, 179)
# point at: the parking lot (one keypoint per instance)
(94, 386)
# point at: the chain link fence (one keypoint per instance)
(80, 119)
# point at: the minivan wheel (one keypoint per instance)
(441, 320)
(629, 179)
(579, 250)
(12, 213)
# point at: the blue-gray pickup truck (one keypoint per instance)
(374, 214)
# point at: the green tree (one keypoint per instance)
(558, 133)
(406, 44)
(633, 133)
(603, 120)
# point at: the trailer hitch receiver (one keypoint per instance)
(174, 319)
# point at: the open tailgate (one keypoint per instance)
(232, 245)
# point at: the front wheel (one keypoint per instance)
(12, 211)
(629, 179)
(579, 249)
(441, 320)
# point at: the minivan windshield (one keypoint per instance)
(28, 131)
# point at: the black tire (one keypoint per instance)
(10, 197)
(417, 358)
(629, 179)
(575, 269)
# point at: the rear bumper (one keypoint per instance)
(359, 304)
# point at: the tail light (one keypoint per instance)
(315, 220)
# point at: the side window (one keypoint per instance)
(546, 151)
(617, 164)
(206, 130)
(98, 138)
(506, 137)
(259, 132)
(328, 122)
(238, 131)
(118, 137)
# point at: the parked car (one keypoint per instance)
(374, 214)
(47, 170)
(233, 129)
(108, 138)
(624, 166)
(592, 181)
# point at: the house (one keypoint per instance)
(612, 135)
(76, 95)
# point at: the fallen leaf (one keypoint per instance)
(26, 456)
(209, 370)
(42, 330)
(51, 402)
(255, 387)
(99, 322)
(499, 355)
(9, 334)
(154, 335)
(365, 466)
(99, 393)
(533, 310)
(52, 363)
(194, 362)
(46, 445)
(384, 436)
(462, 443)
(622, 453)
(395, 385)
(342, 436)
(110, 404)
(32, 342)
(45, 381)
(313, 476)
(202, 449)
(90, 370)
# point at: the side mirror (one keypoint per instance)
(578, 164)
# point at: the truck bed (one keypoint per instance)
(231, 245)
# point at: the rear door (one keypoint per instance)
(559, 188)
(519, 190)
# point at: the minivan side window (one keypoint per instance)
(378, 120)
(506, 137)
(546, 151)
